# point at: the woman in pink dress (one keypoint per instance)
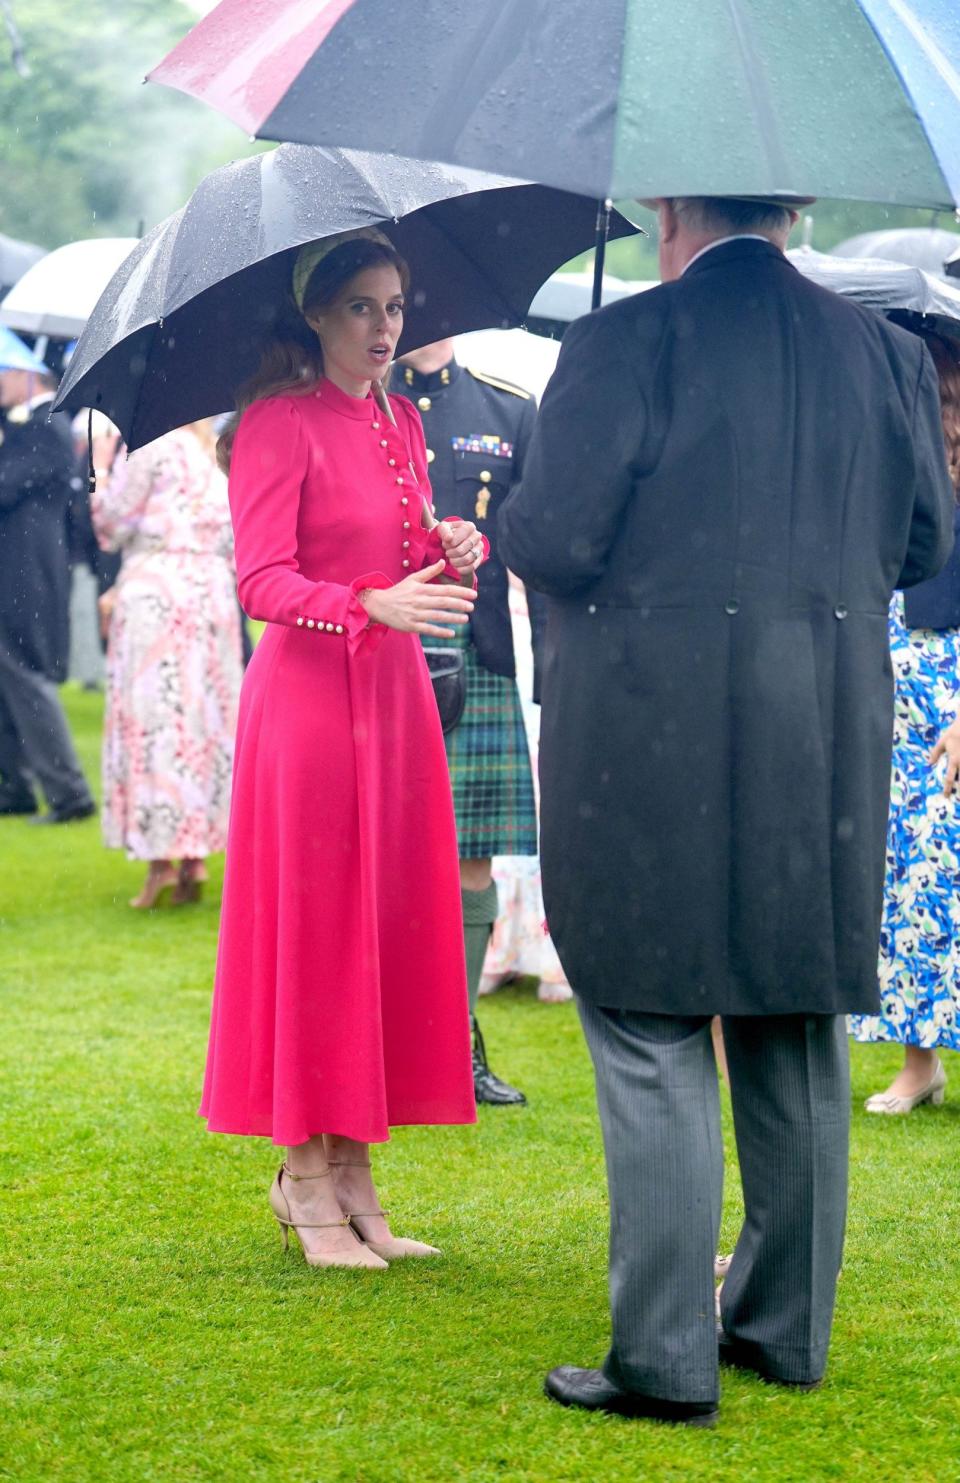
(174, 662)
(340, 1005)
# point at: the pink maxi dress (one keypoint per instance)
(340, 1002)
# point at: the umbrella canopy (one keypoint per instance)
(185, 319)
(910, 295)
(16, 356)
(15, 258)
(56, 296)
(919, 247)
(615, 98)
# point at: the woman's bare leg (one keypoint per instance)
(354, 1186)
(314, 1200)
(719, 1049)
(918, 1069)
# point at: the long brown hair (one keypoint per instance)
(946, 358)
(293, 360)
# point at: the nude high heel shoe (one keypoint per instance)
(363, 1257)
(934, 1092)
(155, 887)
(398, 1246)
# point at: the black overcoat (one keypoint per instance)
(36, 467)
(729, 476)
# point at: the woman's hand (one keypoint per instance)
(462, 545)
(412, 606)
(949, 746)
(106, 603)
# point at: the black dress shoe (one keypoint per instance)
(17, 807)
(487, 1087)
(590, 1390)
(737, 1356)
(67, 815)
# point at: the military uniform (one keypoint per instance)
(477, 428)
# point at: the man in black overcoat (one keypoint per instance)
(730, 474)
(36, 466)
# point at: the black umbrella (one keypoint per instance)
(919, 247)
(183, 321)
(909, 295)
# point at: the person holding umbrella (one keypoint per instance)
(340, 1005)
(730, 474)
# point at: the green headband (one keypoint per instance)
(313, 253)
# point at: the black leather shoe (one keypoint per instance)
(590, 1390)
(67, 815)
(487, 1087)
(737, 1356)
(17, 807)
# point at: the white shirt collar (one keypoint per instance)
(733, 237)
(39, 399)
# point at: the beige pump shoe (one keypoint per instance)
(893, 1106)
(362, 1257)
(397, 1246)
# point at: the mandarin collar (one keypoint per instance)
(362, 408)
(414, 383)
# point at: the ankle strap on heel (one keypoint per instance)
(348, 1163)
(285, 1169)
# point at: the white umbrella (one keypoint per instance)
(16, 257)
(57, 295)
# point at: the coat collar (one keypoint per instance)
(735, 250)
(413, 384)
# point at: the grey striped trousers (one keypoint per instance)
(660, 1113)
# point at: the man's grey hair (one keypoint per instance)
(725, 214)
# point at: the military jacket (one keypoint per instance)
(477, 429)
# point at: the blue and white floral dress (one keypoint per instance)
(920, 932)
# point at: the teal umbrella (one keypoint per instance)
(855, 99)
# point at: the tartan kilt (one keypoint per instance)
(489, 759)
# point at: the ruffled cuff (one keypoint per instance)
(360, 631)
(434, 551)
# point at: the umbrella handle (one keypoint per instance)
(383, 401)
(600, 250)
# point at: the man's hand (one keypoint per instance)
(413, 606)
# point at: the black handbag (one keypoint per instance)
(449, 684)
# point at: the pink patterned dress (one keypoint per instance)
(174, 663)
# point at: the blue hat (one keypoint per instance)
(15, 355)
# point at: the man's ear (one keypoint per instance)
(668, 219)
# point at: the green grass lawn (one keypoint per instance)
(151, 1327)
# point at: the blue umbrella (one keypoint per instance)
(17, 356)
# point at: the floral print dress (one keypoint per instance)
(920, 932)
(174, 664)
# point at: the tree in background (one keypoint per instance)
(85, 149)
